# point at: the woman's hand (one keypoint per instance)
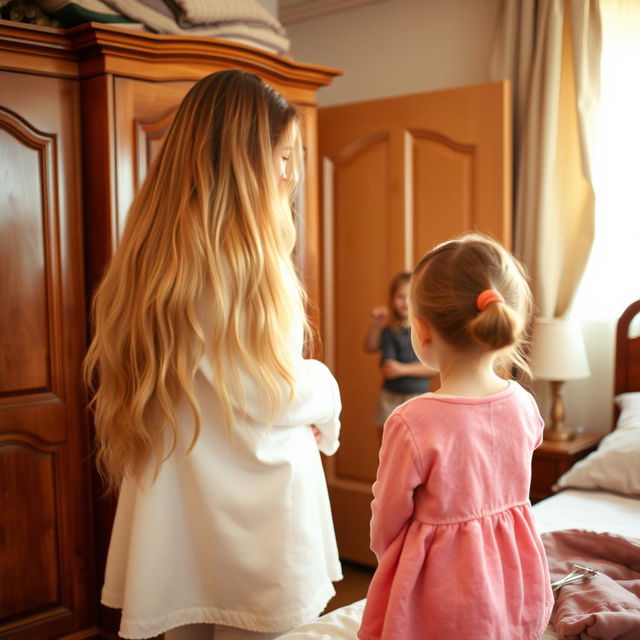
(316, 433)
(392, 369)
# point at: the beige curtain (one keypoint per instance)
(550, 50)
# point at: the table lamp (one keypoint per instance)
(557, 355)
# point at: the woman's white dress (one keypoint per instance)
(239, 531)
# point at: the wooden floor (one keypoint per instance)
(353, 587)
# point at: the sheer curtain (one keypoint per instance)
(605, 56)
(550, 50)
(612, 277)
(613, 271)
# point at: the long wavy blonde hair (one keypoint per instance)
(210, 234)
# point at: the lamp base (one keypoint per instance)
(556, 431)
(559, 433)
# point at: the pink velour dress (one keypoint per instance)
(452, 528)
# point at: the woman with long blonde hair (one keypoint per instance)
(205, 408)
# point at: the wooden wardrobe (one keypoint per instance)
(82, 113)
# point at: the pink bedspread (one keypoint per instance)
(607, 607)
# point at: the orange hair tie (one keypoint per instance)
(487, 297)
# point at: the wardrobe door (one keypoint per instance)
(46, 581)
(398, 175)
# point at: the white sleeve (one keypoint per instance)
(316, 401)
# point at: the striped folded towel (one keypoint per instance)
(244, 21)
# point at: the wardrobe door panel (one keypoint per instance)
(30, 529)
(367, 162)
(46, 585)
(24, 335)
(443, 174)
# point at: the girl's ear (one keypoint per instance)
(422, 330)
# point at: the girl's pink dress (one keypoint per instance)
(452, 528)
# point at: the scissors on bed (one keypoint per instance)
(579, 574)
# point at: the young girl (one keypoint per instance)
(205, 409)
(452, 527)
(404, 375)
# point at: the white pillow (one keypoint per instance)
(629, 405)
(615, 465)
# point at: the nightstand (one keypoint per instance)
(552, 459)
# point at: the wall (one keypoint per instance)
(394, 47)
(588, 402)
(271, 6)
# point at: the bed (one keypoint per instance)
(600, 493)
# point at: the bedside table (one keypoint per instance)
(552, 459)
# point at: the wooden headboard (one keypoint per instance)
(627, 364)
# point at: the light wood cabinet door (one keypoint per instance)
(397, 176)
(46, 578)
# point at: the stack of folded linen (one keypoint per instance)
(243, 21)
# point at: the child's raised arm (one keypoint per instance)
(379, 317)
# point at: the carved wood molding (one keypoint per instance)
(357, 146)
(145, 134)
(29, 441)
(92, 49)
(435, 136)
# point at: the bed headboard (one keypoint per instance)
(627, 364)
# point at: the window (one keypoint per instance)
(612, 276)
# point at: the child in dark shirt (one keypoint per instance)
(404, 375)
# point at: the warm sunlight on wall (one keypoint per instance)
(612, 278)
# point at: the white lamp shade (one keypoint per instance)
(557, 350)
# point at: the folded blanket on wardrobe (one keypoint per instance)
(607, 607)
(244, 21)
